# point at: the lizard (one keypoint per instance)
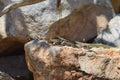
(61, 41)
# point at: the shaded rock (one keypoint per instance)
(111, 35)
(81, 26)
(11, 46)
(68, 63)
(116, 5)
(15, 66)
(4, 76)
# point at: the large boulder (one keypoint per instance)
(34, 21)
(68, 63)
(83, 24)
(110, 35)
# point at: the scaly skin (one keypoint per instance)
(63, 42)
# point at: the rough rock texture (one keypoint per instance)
(111, 35)
(34, 21)
(68, 63)
(4, 76)
(81, 26)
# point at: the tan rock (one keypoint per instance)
(34, 21)
(83, 24)
(15, 66)
(111, 35)
(113, 69)
(68, 63)
(3, 33)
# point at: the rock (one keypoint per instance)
(3, 33)
(4, 76)
(116, 5)
(114, 67)
(110, 35)
(1, 3)
(81, 26)
(68, 63)
(34, 21)
(15, 66)
(11, 46)
(30, 21)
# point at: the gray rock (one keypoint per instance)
(54, 61)
(34, 21)
(4, 76)
(15, 66)
(111, 35)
